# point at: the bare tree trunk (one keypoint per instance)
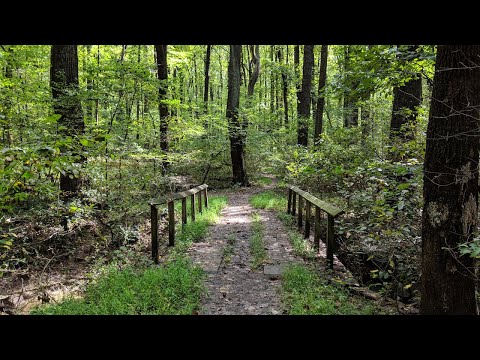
(207, 78)
(305, 94)
(284, 84)
(350, 107)
(322, 78)
(234, 126)
(66, 102)
(450, 187)
(161, 51)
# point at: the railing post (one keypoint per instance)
(206, 199)
(300, 212)
(200, 202)
(307, 218)
(184, 212)
(171, 224)
(289, 206)
(294, 203)
(330, 240)
(154, 229)
(316, 236)
(193, 206)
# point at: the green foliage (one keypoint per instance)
(304, 292)
(257, 245)
(175, 288)
(269, 200)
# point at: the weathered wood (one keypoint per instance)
(308, 214)
(300, 212)
(294, 203)
(171, 224)
(289, 206)
(316, 236)
(330, 240)
(180, 195)
(328, 208)
(199, 194)
(184, 212)
(206, 198)
(154, 231)
(192, 197)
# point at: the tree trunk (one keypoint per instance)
(161, 51)
(207, 77)
(451, 182)
(284, 84)
(296, 65)
(406, 99)
(234, 126)
(305, 95)
(322, 78)
(66, 102)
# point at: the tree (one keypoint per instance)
(207, 76)
(284, 82)
(234, 127)
(406, 99)
(162, 73)
(66, 102)
(322, 78)
(451, 182)
(305, 96)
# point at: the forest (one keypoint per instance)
(372, 149)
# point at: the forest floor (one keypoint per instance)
(235, 285)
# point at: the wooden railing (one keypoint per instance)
(169, 200)
(331, 210)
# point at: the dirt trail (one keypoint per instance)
(233, 287)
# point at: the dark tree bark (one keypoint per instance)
(284, 84)
(162, 73)
(207, 77)
(235, 131)
(296, 65)
(305, 96)
(66, 102)
(322, 79)
(451, 182)
(406, 99)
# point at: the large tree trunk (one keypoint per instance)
(234, 127)
(305, 96)
(296, 65)
(161, 51)
(406, 99)
(451, 182)
(66, 102)
(284, 83)
(322, 78)
(207, 77)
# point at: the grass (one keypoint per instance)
(257, 246)
(301, 246)
(197, 230)
(228, 249)
(269, 200)
(304, 292)
(264, 181)
(174, 288)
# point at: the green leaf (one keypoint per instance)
(27, 175)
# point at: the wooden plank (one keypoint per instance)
(294, 203)
(300, 212)
(308, 214)
(327, 207)
(184, 212)
(289, 206)
(180, 195)
(330, 240)
(206, 198)
(193, 206)
(316, 234)
(199, 194)
(154, 230)
(171, 224)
